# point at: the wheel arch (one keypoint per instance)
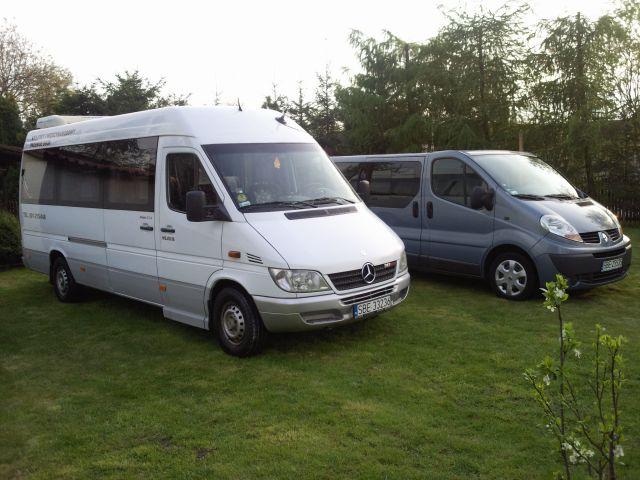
(54, 254)
(505, 248)
(216, 288)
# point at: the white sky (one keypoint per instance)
(237, 47)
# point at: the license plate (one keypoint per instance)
(362, 309)
(611, 264)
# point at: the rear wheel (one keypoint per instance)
(237, 323)
(513, 276)
(66, 288)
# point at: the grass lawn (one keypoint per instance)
(432, 389)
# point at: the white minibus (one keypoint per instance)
(229, 220)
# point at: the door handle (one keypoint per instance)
(146, 227)
(415, 210)
(168, 229)
(429, 209)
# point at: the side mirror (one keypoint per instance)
(481, 197)
(198, 211)
(195, 206)
(364, 190)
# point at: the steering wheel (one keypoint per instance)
(262, 192)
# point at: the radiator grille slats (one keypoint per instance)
(353, 278)
(594, 237)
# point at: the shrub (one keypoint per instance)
(581, 408)
(10, 249)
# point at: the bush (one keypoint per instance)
(10, 249)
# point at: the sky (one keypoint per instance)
(238, 49)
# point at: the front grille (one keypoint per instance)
(353, 278)
(594, 237)
(601, 277)
(363, 297)
(610, 253)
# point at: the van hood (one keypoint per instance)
(329, 244)
(586, 215)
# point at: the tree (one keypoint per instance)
(301, 110)
(129, 92)
(81, 101)
(574, 85)
(475, 65)
(32, 79)
(10, 124)
(276, 101)
(382, 109)
(323, 121)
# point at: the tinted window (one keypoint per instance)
(454, 180)
(184, 174)
(116, 175)
(393, 184)
(130, 173)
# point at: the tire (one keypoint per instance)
(64, 285)
(513, 276)
(237, 323)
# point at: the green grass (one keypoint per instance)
(433, 389)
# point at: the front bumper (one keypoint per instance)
(321, 311)
(583, 270)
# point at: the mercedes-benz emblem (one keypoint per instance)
(604, 238)
(368, 272)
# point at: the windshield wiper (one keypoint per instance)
(321, 200)
(562, 196)
(527, 196)
(291, 204)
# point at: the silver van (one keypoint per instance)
(507, 217)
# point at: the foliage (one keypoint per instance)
(10, 124)
(10, 249)
(128, 92)
(27, 75)
(587, 430)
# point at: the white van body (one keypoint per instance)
(105, 208)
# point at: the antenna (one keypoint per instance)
(239, 106)
(282, 119)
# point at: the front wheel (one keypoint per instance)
(237, 323)
(66, 288)
(513, 276)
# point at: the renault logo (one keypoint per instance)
(604, 238)
(368, 273)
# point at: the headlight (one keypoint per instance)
(298, 281)
(559, 226)
(402, 265)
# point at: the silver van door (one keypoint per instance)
(457, 235)
(188, 252)
(129, 219)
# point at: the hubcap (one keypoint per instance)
(233, 323)
(511, 278)
(62, 281)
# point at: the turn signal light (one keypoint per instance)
(234, 254)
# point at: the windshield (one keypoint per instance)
(279, 176)
(526, 176)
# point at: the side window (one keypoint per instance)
(393, 184)
(185, 173)
(129, 182)
(453, 180)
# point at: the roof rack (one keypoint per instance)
(57, 120)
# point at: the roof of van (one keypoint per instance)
(419, 154)
(208, 124)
